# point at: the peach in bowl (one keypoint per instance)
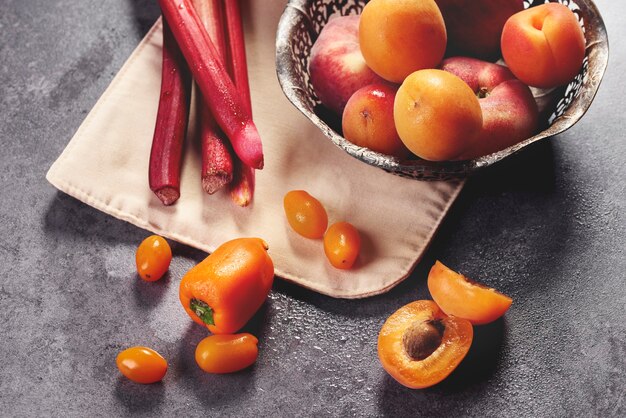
(368, 73)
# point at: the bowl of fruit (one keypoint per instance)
(438, 89)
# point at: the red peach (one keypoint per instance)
(368, 120)
(508, 107)
(337, 67)
(475, 26)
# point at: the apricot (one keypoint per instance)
(544, 46)
(398, 37)
(459, 296)
(368, 120)
(436, 114)
(419, 345)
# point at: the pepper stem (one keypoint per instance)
(204, 311)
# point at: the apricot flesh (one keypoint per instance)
(436, 114)
(410, 371)
(544, 46)
(458, 296)
(398, 37)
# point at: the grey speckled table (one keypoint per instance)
(547, 227)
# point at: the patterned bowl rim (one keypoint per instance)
(597, 54)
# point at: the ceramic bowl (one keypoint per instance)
(303, 20)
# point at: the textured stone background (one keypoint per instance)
(547, 228)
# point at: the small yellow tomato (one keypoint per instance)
(342, 244)
(153, 258)
(227, 353)
(305, 214)
(141, 365)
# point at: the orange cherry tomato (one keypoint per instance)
(305, 214)
(342, 244)
(458, 296)
(153, 258)
(141, 365)
(227, 353)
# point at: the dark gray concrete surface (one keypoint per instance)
(546, 227)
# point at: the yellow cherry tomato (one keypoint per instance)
(225, 353)
(342, 244)
(153, 258)
(305, 214)
(141, 365)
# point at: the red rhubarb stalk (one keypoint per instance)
(237, 50)
(217, 161)
(171, 123)
(242, 187)
(217, 88)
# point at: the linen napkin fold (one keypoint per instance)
(105, 165)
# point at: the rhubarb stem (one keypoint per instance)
(242, 187)
(222, 97)
(171, 123)
(217, 159)
(237, 50)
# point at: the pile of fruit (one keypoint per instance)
(424, 341)
(418, 77)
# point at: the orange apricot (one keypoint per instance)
(436, 114)
(342, 244)
(305, 214)
(398, 37)
(419, 345)
(458, 296)
(544, 46)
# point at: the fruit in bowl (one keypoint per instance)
(337, 66)
(475, 26)
(398, 37)
(544, 46)
(436, 114)
(297, 30)
(509, 111)
(368, 120)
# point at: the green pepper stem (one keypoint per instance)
(204, 311)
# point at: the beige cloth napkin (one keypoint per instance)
(106, 163)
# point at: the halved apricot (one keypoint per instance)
(459, 296)
(419, 345)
